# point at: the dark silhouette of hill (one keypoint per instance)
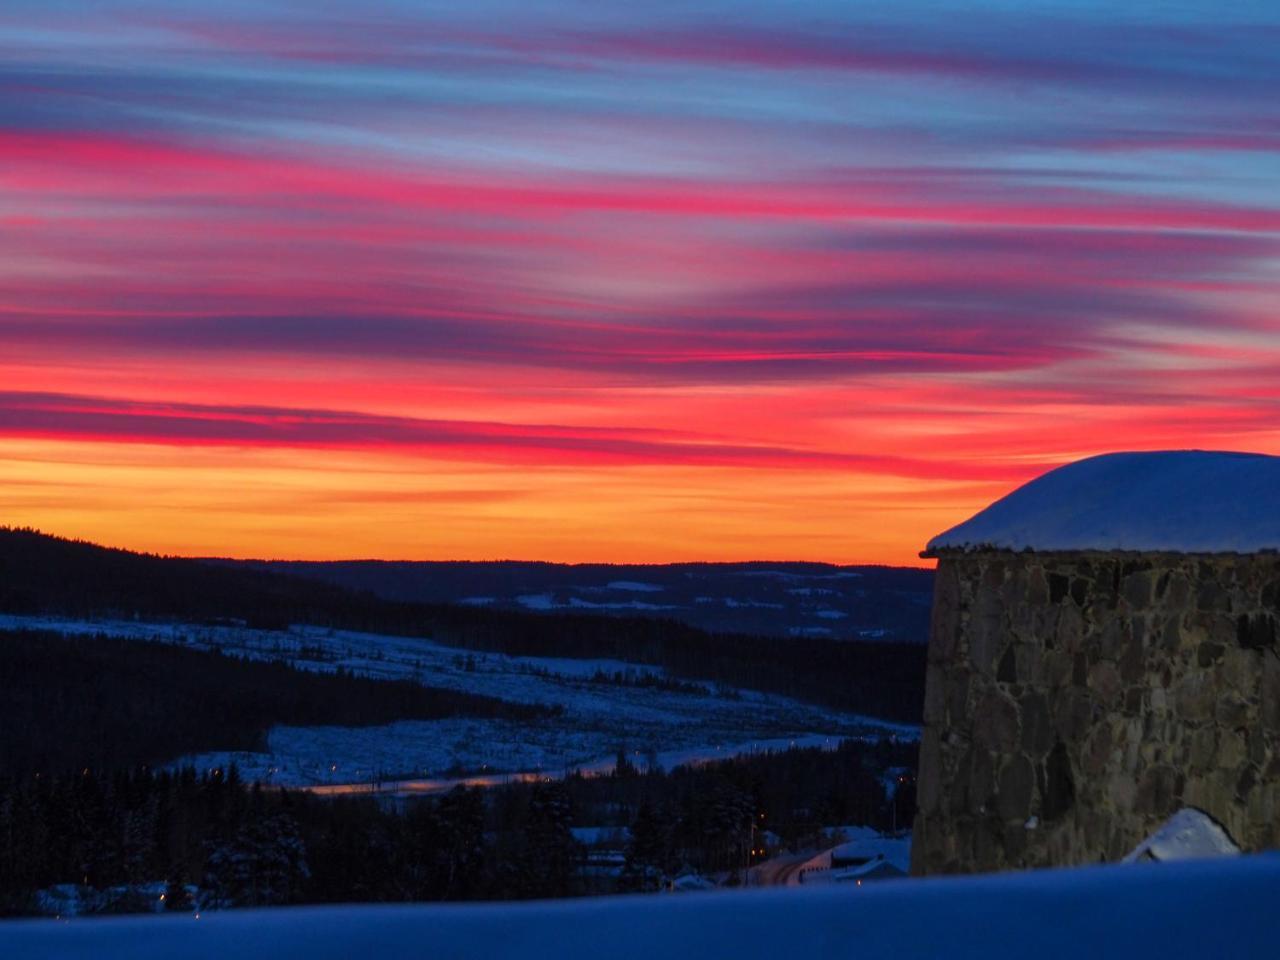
(69, 703)
(785, 599)
(40, 574)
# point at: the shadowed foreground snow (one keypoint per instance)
(1217, 908)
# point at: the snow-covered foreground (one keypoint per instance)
(671, 726)
(1218, 908)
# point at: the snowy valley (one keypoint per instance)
(601, 706)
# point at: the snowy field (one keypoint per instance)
(697, 722)
(1214, 908)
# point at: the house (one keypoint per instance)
(859, 870)
(1103, 653)
(864, 855)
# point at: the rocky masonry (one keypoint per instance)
(1076, 699)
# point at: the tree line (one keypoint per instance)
(209, 841)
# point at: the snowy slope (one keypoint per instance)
(1186, 501)
(1218, 908)
(681, 725)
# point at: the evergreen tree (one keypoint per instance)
(263, 864)
(545, 866)
(177, 898)
(648, 852)
(622, 765)
(460, 855)
(727, 816)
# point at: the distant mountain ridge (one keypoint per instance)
(765, 598)
(46, 575)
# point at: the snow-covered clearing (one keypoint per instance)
(1210, 908)
(636, 586)
(682, 725)
(547, 601)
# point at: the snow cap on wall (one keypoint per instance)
(1180, 501)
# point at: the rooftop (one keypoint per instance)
(1180, 501)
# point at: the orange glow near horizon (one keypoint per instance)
(624, 475)
(649, 284)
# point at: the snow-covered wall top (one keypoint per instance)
(1184, 501)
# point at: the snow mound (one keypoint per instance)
(1207, 908)
(1187, 835)
(1181, 501)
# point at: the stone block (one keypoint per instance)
(978, 774)
(1105, 683)
(935, 689)
(1037, 727)
(1037, 587)
(957, 696)
(1073, 712)
(1233, 749)
(1097, 751)
(996, 723)
(1070, 629)
(1057, 784)
(987, 639)
(1159, 790)
(1114, 638)
(1029, 665)
(1138, 589)
(1204, 745)
(1232, 711)
(1241, 670)
(1195, 698)
(1016, 785)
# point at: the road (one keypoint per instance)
(780, 871)
(399, 788)
(667, 759)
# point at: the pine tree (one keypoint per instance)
(177, 898)
(648, 852)
(460, 820)
(263, 864)
(545, 866)
(622, 765)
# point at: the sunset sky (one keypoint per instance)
(632, 282)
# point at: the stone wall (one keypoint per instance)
(1076, 700)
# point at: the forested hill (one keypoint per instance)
(785, 599)
(45, 574)
(40, 574)
(106, 703)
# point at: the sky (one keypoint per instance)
(644, 282)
